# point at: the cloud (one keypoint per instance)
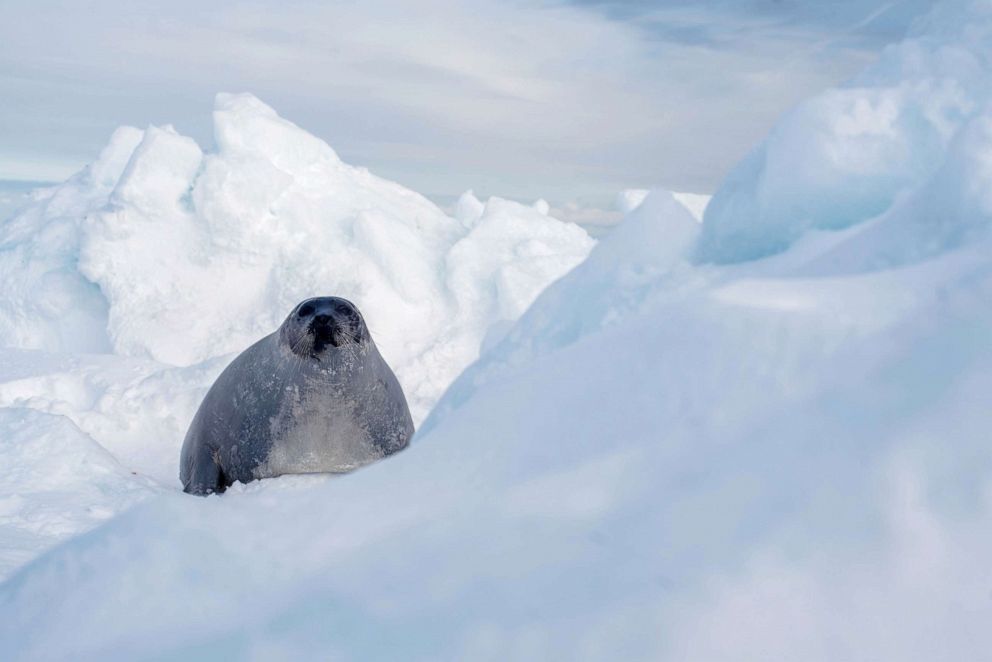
(515, 98)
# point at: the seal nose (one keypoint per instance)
(322, 320)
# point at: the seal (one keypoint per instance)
(314, 396)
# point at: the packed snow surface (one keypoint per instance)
(763, 436)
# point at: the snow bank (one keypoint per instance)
(664, 458)
(845, 156)
(158, 250)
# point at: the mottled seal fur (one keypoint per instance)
(314, 396)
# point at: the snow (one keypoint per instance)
(630, 199)
(696, 203)
(763, 436)
(128, 288)
(160, 251)
(15, 195)
(58, 483)
(843, 157)
(600, 222)
(469, 208)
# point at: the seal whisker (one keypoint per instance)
(299, 356)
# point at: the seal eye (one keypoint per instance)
(342, 309)
(306, 310)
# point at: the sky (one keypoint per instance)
(570, 101)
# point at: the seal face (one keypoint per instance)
(314, 396)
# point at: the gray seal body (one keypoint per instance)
(314, 396)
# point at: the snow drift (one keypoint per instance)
(158, 250)
(666, 457)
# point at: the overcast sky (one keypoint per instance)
(570, 101)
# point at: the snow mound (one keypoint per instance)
(651, 244)
(847, 155)
(158, 250)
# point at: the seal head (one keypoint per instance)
(316, 325)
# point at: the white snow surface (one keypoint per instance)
(160, 251)
(765, 436)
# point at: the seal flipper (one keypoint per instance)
(203, 475)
